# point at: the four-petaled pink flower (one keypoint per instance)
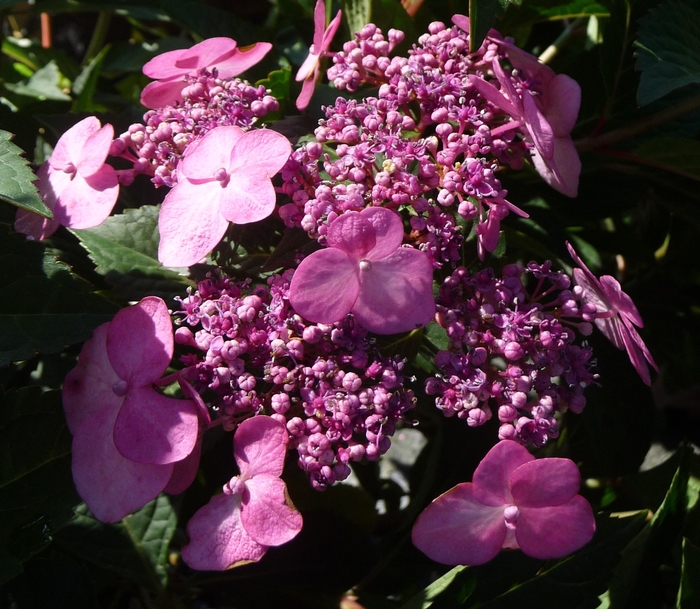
(75, 183)
(253, 512)
(515, 501)
(170, 68)
(547, 118)
(308, 72)
(365, 271)
(616, 315)
(130, 442)
(223, 177)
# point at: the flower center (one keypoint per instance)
(120, 387)
(221, 175)
(235, 486)
(511, 515)
(70, 169)
(365, 265)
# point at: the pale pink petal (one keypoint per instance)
(111, 486)
(492, 476)
(140, 342)
(217, 538)
(260, 151)
(205, 54)
(266, 515)
(462, 22)
(537, 125)
(319, 25)
(562, 171)
(508, 88)
(163, 92)
(354, 234)
(456, 529)
(528, 64)
(87, 388)
(247, 198)
(211, 153)
(492, 94)
(331, 31)
(154, 428)
(70, 144)
(388, 230)
(307, 90)
(93, 154)
(259, 446)
(396, 294)
(545, 482)
(164, 65)
(87, 202)
(190, 223)
(620, 301)
(553, 532)
(34, 226)
(325, 286)
(242, 59)
(637, 351)
(562, 100)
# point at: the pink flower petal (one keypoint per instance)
(259, 447)
(184, 471)
(87, 202)
(164, 65)
(325, 286)
(69, 147)
(140, 342)
(93, 154)
(620, 301)
(207, 53)
(388, 230)
(162, 93)
(111, 486)
(153, 428)
(538, 127)
(492, 94)
(266, 516)
(492, 476)
(563, 100)
(462, 22)
(396, 293)
(218, 540)
(456, 529)
(637, 351)
(34, 226)
(562, 171)
(244, 58)
(553, 532)
(331, 31)
(210, 153)
(353, 234)
(319, 25)
(260, 151)
(87, 388)
(190, 223)
(307, 89)
(545, 482)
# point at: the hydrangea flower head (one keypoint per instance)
(515, 501)
(308, 72)
(75, 183)
(169, 69)
(365, 271)
(252, 513)
(223, 177)
(616, 315)
(127, 437)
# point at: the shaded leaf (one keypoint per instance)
(17, 179)
(36, 486)
(85, 84)
(668, 53)
(676, 155)
(356, 13)
(424, 598)
(689, 589)
(43, 84)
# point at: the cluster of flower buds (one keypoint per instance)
(338, 397)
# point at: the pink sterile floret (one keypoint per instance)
(223, 177)
(130, 442)
(365, 271)
(253, 512)
(514, 501)
(75, 183)
(170, 68)
(308, 72)
(616, 315)
(546, 117)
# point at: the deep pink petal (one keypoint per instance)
(508, 89)
(266, 516)
(545, 482)
(325, 286)
(87, 388)
(111, 486)
(185, 471)
(396, 294)
(462, 22)
(190, 223)
(217, 538)
(210, 153)
(163, 92)
(259, 446)
(164, 65)
(492, 94)
(456, 529)
(538, 127)
(154, 428)
(388, 230)
(637, 351)
(562, 171)
(528, 64)
(352, 233)
(562, 100)
(87, 202)
(70, 144)
(620, 301)
(553, 532)
(242, 59)
(307, 89)
(92, 156)
(205, 54)
(492, 476)
(140, 342)
(331, 31)
(319, 25)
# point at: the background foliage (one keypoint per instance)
(637, 217)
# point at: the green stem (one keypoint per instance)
(98, 36)
(650, 122)
(551, 51)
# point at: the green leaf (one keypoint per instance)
(482, 14)
(668, 50)
(36, 486)
(43, 84)
(47, 307)
(689, 589)
(135, 549)
(85, 84)
(676, 155)
(357, 13)
(425, 598)
(17, 179)
(125, 249)
(569, 10)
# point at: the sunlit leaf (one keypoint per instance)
(17, 179)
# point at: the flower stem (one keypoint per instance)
(551, 51)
